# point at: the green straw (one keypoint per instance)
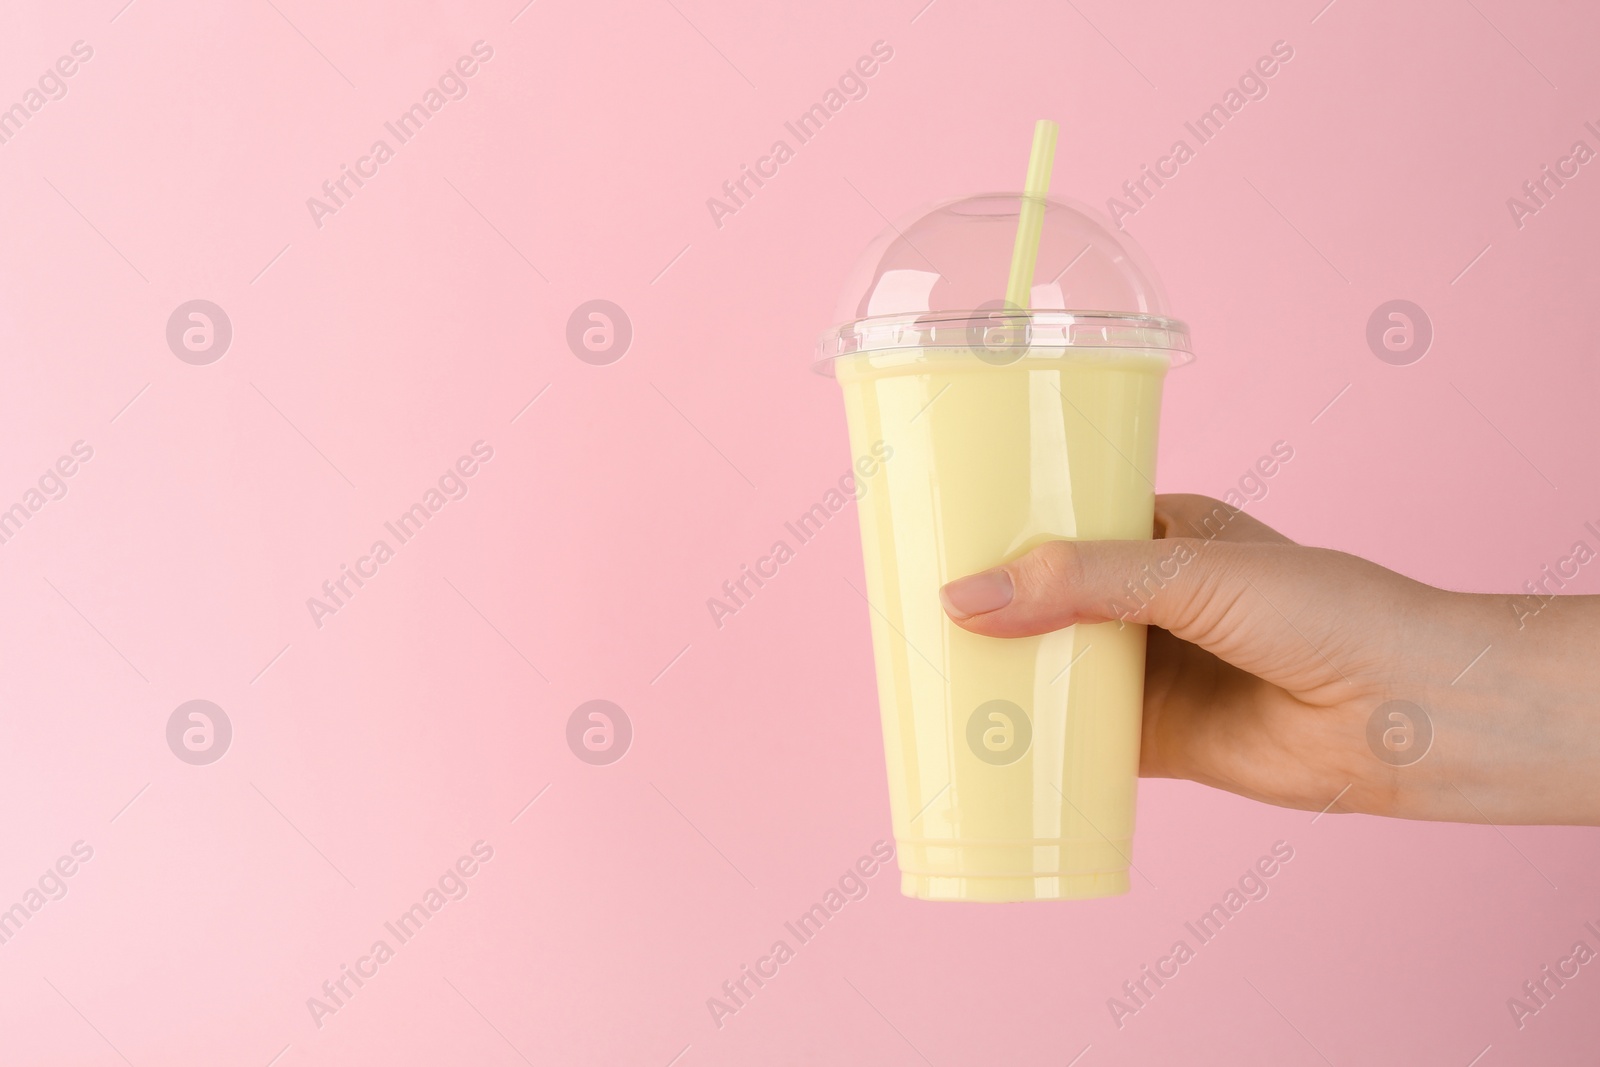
(1030, 223)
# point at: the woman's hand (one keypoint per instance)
(1315, 679)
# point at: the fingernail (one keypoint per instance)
(976, 594)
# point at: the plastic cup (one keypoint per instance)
(1012, 763)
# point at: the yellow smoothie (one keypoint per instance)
(1012, 762)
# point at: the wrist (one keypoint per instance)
(1509, 700)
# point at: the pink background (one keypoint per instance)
(369, 353)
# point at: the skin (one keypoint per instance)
(1267, 659)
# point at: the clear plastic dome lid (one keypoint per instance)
(940, 280)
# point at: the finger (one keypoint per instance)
(1207, 721)
(1264, 607)
(1193, 515)
(1191, 700)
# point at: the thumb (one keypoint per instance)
(1222, 596)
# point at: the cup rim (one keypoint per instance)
(1045, 331)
